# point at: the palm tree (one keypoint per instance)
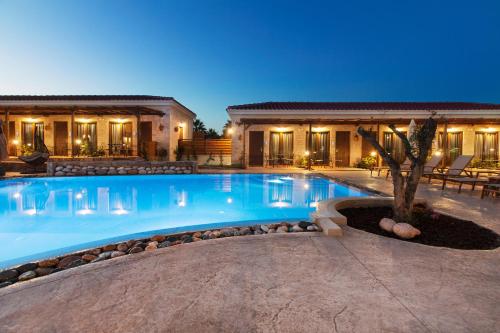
(199, 126)
(227, 126)
(212, 134)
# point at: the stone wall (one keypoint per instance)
(101, 168)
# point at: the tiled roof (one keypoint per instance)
(83, 97)
(365, 106)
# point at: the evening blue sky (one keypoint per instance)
(211, 54)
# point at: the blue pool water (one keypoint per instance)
(41, 217)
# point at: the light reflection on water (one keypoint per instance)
(46, 214)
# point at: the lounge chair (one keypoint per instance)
(429, 167)
(456, 173)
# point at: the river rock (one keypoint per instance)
(109, 247)
(405, 230)
(67, 261)
(151, 247)
(304, 224)
(88, 257)
(116, 254)
(27, 276)
(136, 249)
(42, 271)
(282, 229)
(8, 274)
(123, 247)
(227, 232)
(158, 238)
(297, 228)
(48, 263)
(264, 228)
(245, 231)
(26, 267)
(386, 224)
(164, 244)
(5, 284)
(312, 227)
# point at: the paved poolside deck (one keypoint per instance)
(302, 282)
(279, 283)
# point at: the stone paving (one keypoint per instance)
(303, 282)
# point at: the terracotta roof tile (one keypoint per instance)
(365, 106)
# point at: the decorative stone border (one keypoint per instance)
(60, 168)
(32, 270)
(329, 219)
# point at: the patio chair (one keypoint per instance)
(492, 187)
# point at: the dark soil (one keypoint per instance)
(436, 229)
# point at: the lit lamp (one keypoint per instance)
(306, 153)
(230, 130)
(437, 153)
(78, 141)
(373, 153)
(15, 142)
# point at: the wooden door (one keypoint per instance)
(61, 138)
(256, 148)
(342, 148)
(146, 131)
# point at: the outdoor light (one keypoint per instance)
(437, 153)
(373, 154)
(230, 130)
(306, 186)
(16, 195)
(78, 196)
(15, 142)
(229, 200)
(78, 141)
(489, 129)
(306, 153)
(29, 144)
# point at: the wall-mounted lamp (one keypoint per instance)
(437, 153)
(78, 141)
(373, 153)
(15, 142)
(230, 130)
(306, 153)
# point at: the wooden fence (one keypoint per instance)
(206, 146)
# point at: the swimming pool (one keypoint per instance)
(41, 217)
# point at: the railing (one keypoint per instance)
(206, 146)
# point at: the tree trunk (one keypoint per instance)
(402, 205)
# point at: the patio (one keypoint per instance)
(358, 283)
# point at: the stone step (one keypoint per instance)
(329, 227)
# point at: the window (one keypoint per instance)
(394, 146)
(454, 145)
(120, 138)
(281, 145)
(32, 135)
(320, 147)
(87, 134)
(486, 146)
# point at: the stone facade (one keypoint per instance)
(61, 168)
